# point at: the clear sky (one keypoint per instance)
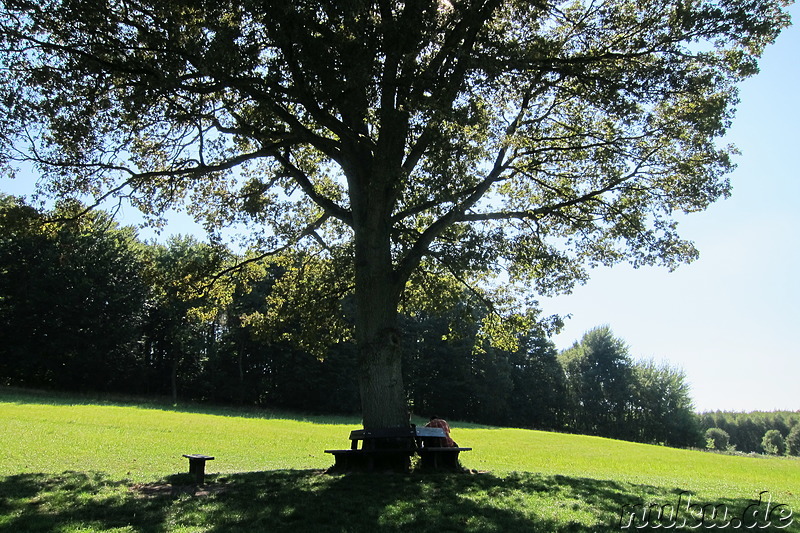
(730, 319)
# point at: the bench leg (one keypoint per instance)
(427, 461)
(435, 460)
(197, 468)
(452, 460)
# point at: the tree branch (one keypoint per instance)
(329, 206)
(309, 230)
(420, 248)
(553, 208)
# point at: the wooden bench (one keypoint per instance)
(433, 455)
(440, 457)
(393, 448)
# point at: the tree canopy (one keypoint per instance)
(456, 138)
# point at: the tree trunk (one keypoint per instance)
(378, 338)
(377, 294)
(240, 368)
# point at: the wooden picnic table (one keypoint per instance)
(392, 448)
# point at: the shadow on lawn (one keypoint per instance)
(47, 502)
(288, 500)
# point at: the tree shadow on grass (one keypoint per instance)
(526, 502)
(291, 500)
(80, 501)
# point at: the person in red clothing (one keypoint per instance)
(436, 422)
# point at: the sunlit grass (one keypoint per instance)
(710, 474)
(144, 444)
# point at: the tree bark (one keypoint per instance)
(383, 401)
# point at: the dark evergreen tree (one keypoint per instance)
(538, 399)
(72, 298)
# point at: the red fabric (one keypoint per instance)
(439, 423)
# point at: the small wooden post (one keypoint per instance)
(197, 466)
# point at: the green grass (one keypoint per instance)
(72, 464)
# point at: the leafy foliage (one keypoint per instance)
(72, 298)
(662, 410)
(793, 440)
(559, 112)
(609, 394)
(773, 443)
(599, 380)
(717, 439)
(190, 328)
(182, 322)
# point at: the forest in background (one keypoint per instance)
(85, 305)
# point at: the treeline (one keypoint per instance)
(775, 433)
(86, 305)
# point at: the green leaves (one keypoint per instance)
(773, 442)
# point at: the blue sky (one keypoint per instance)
(730, 319)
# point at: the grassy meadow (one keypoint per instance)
(80, 465)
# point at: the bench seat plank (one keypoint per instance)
(428, 449)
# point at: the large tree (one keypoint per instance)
(457, 138)
(599, 382)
